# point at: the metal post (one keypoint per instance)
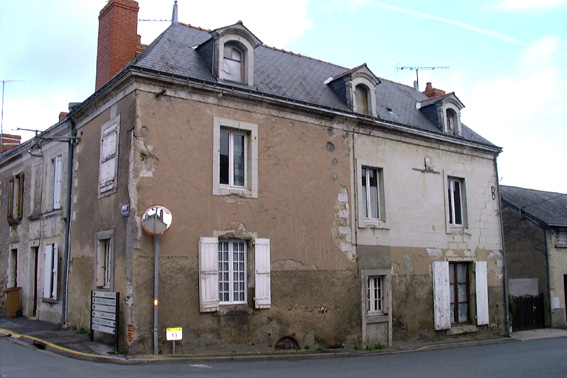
(156, 292)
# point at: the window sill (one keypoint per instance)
(235, 192)
(234, 310)
(376, 318)
(458, 230)
(373, 224)
(50, 213)
(49, 300)
(462, 329)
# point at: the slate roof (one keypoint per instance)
(548, 208)
(287, 75)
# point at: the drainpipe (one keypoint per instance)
(70, 152)
(548, 271)
(504, 268)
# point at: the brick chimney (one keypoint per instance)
(118, 39)
(8, 141)
(432, 92)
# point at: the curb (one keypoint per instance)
(147, 360)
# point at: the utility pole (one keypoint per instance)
(416, 69)
(2, 116)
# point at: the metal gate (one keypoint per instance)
(527, 312)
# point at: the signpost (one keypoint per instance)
(173, 334)
(104, 313)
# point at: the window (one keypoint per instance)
(455, 200)
(232, 65)
(371, 196)
(370, 192)
(108, 157)
(375, 294)
(451, 117)
(459, 291)
(16, 199)
(232, 158)
(104, 259)
(232, 272)
(224, 277)
(460, 295)
(361, 95)
(51, 263)
(57, 163)
(235, 161)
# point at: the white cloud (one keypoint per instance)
(512, 5)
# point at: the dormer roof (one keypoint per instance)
(449, 97)
(237, 29)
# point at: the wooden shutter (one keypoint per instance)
(108, 158)
(57, 172)
(50, 271)
(55, 271)
(482, 317)
(441, 295)
(208, 274)
(262, 273)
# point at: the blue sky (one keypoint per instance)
(507, 59)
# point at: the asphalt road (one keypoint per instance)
(536, 358)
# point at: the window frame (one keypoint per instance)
(230, 262)
(104, 260)
(234, 46)
(561, 239)
(450, 178)
(454, 283)
(364, 108)
(250, 188)
(364, 195)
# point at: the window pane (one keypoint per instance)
(361, 94)
(458, 208)
(373, 181)
(238, 160)
(462, 292)
(462, 273)
(364, 193)
(224, 159)
(463, 312)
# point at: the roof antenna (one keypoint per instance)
(174, 18)
(416, 82)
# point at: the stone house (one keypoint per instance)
(535, 234)
(33, 192)
(311, 203)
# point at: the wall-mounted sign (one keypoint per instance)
(157, 220)
(104, 313)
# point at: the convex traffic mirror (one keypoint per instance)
(157, 220)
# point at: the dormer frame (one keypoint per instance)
(450, 104)
(345, 86)
(240, 37)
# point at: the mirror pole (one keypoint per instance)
(156, 292)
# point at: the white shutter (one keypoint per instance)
(57, 172)
(481, 293)
(262, 273)
(47, 270)
(54, 271)
(209, 274)
(108, 158)
(441, 295)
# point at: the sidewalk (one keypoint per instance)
(74, 344)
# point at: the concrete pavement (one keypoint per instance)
(76, 344)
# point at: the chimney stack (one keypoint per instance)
(432, 92)
(118, 39)
(8, 141)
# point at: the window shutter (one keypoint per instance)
(481, 293)
(58, 164)
(561, 239)
(108, 155)
(262, 273)
(208, 274)
(55, 271)
(11, 199)
(48, 271)
(441, 295)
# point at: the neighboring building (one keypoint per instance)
(311, 203)
(535, 232)
(33, 235)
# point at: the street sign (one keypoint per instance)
(104, 313)
(174, 334)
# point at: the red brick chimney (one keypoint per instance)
(432, 92)
(118, 39)
(8, 141)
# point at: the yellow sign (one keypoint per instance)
(174, 333)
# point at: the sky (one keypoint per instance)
(506, 59)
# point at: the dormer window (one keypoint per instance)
(232, 65)
(361, 98)
(451, 117)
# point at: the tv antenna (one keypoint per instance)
(2, 115)
(416, 69)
